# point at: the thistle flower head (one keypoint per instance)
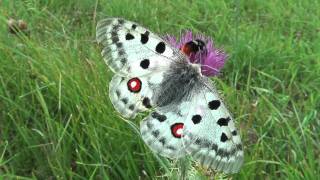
(210, 58)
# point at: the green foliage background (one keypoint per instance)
(56, 120)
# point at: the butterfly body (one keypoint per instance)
(187, 115)
(179, 83)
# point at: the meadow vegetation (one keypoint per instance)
(57, 122)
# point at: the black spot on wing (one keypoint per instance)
(223, 153)
(145, 63)
(121, 52)
(134, 26)
(114, 38)
(119, 45)
(145, 37)
(215, 104)
(131, 107)
(206, 143)
(146, 102)
(171, 148)
(223, 121)
(196, 119)
(239, 147)
(223, 137)
(155, 133)
(214, 147)
(234, 132)
(158, 116)
(161, 47)
(129, 36)
(198, 141)
(114, 34)
(124, 100)
(123, 61)
(118, 93)
(163, 141)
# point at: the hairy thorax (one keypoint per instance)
(178, 83)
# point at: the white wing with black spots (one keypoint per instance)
(201, 126)
(162, 133)
(128, 48)
(210, 135)
(131, 95)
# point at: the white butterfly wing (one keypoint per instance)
(162, 131)
(139, 58)
(210, 135)
(131, 49)
(201, 126)
(130, 95)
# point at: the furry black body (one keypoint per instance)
(179, 82)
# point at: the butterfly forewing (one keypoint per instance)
(132, 49)
(210, 135)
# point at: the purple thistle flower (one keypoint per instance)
(211, 59)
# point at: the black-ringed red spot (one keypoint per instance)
(134, 85)
(177, 129)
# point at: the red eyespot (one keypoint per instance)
(134, 85)
(177, 129)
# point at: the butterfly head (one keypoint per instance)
(193, 46)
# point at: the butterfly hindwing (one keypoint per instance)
(162, 131)
(132, 94)
(208, 131)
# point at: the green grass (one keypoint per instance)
(56, 120)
